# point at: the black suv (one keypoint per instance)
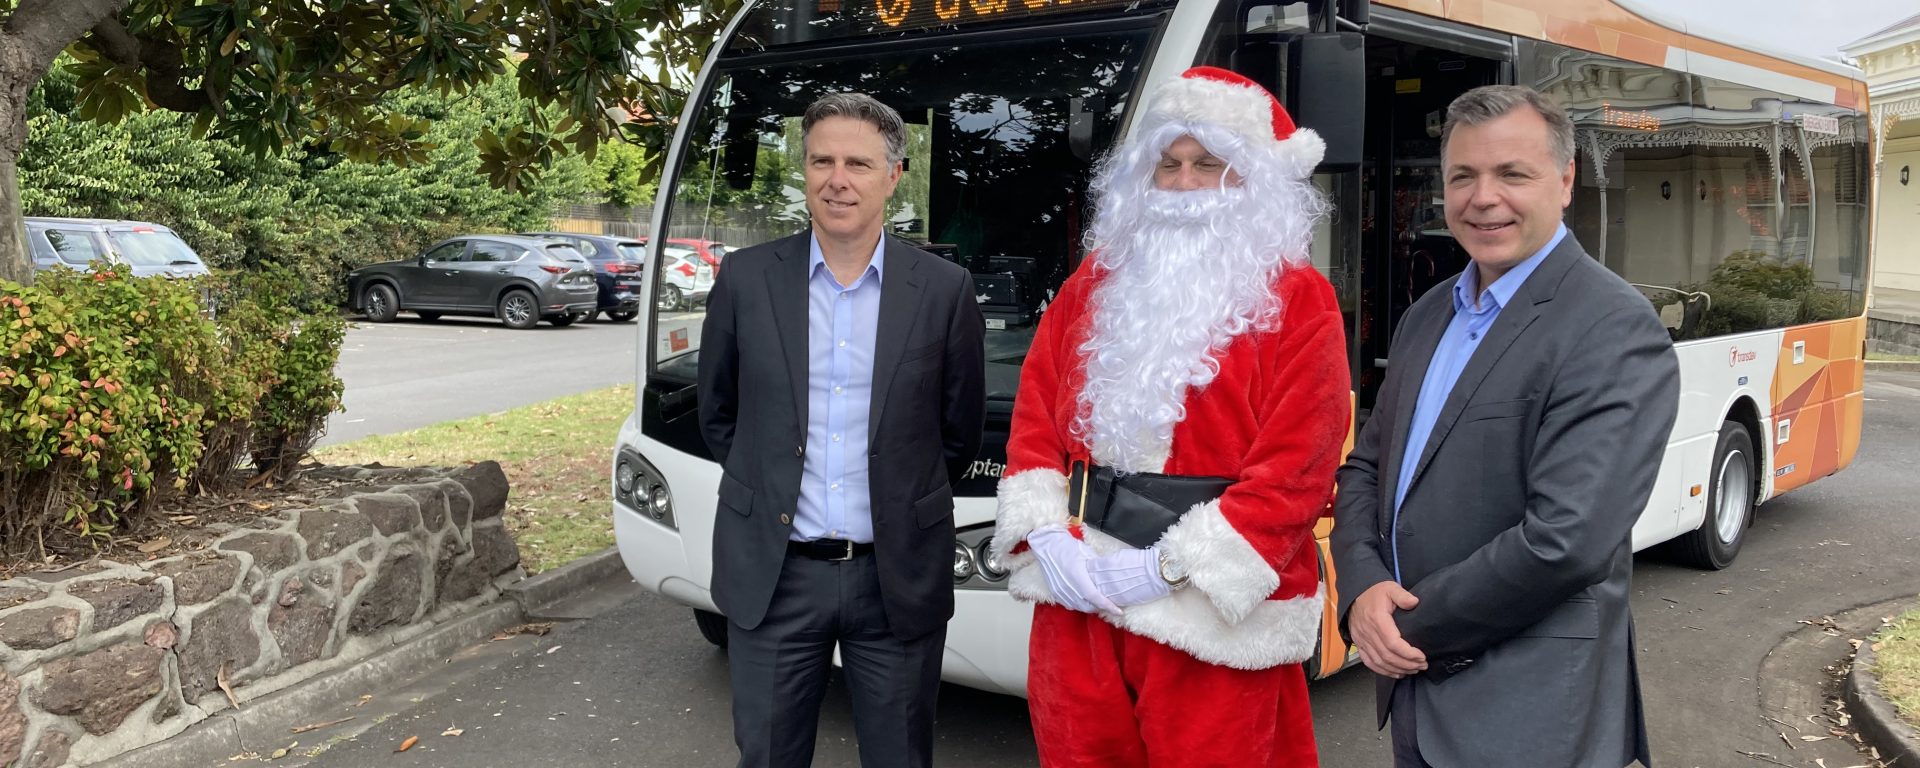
(521, 280)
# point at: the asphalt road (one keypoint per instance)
(410, 373)
(637, 686)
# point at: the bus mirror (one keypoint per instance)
(742, 151)
(1086, 116)
(1327, 91)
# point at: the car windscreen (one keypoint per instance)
(632, 251)
(152, 248)
(565, 252)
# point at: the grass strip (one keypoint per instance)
(556, 455)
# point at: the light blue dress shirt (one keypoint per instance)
(1469, 325)
(841, 321)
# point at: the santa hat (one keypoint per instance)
(1214, 96)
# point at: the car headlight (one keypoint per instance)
(963, 562)
(639, 485)
(623, 477)
(662, 501)
(990, 567)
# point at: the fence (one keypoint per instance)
(634, 222)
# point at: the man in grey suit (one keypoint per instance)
(842, 390)
(1483, 527)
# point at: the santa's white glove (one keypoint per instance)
(1064, 560)
(1130, 576)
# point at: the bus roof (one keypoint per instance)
(1658, 15)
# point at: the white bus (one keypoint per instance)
(1731, 185)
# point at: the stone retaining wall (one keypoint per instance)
(104, 658)
(1893, 333)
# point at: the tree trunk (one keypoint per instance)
(15, 265)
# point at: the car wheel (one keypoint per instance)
(713, 627)
(519, 311)
(562, 321)
(625, 316)
(670, 299)
(1730, 503)
(380, 303)
(428, 316)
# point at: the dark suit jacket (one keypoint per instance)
(929, 399)
(1516, 530)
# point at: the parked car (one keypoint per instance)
(688, 278)
(618, 265)
(710, 251)
(521, 280)
(143, 248)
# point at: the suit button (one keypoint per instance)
(786, 519)
(800, 450)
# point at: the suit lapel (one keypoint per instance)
(787, 293)
(900, 288)
(1513, 321)
(1424, 340)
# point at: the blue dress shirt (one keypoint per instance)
(841, 321)
(1469, 325)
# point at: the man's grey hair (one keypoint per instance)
(1492, 102)
(860, 106)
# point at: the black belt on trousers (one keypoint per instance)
(830, 549)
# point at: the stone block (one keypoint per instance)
(331, 530)
(52, 750)
(36, 629)
(13, 722)
(487, 484)
(11, 596)
(271, 551)
(432, 501)
(118, 601)
(203, 578)
(391, 513)
(351, 573)
(99, 689)
(72, 572)
(221, 635)
(301, 622)
(464, 581)
(393, 597)
(162, 634)
(494, 548)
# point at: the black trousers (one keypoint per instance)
(1406, 740)
(780, 670)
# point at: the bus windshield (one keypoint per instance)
(1001, 144)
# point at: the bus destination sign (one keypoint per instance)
(775, 23)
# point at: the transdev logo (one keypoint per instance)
(1736, 357)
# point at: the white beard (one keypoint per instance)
(1189, 274)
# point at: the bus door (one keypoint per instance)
(1414, 70)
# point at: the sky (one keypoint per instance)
(1809, 27)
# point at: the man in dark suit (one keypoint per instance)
(842, 389)
(1483, 526)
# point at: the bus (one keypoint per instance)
(1732, 185)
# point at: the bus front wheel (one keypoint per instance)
(1730, 502)
(713, 627)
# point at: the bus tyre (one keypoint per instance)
(1730, 502)
(713, 627)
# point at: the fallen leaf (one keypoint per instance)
(1815, 738)
(408, 744)
(226, 685)
(453, 731)
(155, 545)
(553, 649)
(364, 700)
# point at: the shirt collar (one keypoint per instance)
(1502, 289)
(817, 260)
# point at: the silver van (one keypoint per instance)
(144, 248)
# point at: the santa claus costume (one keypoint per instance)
(1197, 340)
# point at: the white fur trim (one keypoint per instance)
(1243, 109)
(1028, 500)
(1272, 633)
(1303, 152)
(1219, 561)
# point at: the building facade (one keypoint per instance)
(1890, 61)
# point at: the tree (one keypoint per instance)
(273, 73)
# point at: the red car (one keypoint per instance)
(711, 251)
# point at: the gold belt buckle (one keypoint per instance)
(1079, 505)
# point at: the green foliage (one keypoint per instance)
(1752, 290)
(620, 174)
(312, 210)
(115, 391)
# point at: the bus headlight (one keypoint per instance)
(990, 568)
(963, 565)
(639, 485)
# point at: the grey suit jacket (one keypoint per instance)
(1516, 529)
(929, 401)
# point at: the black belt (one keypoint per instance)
(1136, 508)
(830, 549)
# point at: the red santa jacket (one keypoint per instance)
(1275, 418)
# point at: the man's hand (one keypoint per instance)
(1370, 621)
(1064, 559)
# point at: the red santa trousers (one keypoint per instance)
(1103, 697)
